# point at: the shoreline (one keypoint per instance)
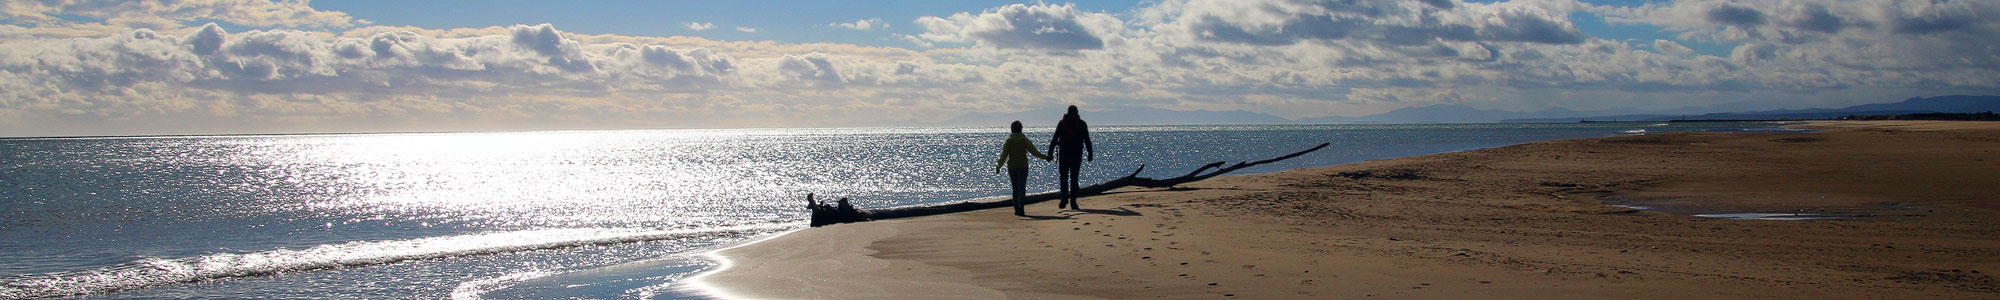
(696, 287)
(1519, 221)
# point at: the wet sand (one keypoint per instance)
(1914, 202)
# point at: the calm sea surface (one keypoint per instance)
(531, 215)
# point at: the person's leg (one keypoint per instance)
(1020, 179)
(1062, 183)
(1071, 171)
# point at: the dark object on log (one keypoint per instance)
(826, 215)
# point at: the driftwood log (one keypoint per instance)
(822, 217)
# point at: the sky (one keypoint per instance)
(94, 67)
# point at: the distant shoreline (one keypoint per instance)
(204, 135)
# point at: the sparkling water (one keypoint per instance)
(559, 214)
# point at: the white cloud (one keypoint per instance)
(1280, 57)
(1031, 27)
(746, 29)
(863, 24)
(1671, 48)
(526, 61)
(244, 12)
(914, 40)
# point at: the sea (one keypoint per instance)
(551, 214)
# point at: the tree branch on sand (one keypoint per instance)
(829, 216)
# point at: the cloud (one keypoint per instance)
(1815, 17)
(208, 40)
(811, 67)
(1671, 48)
(746, 29)
(862, 25)
(244, 12)
(1276, 23)
(1288, 58)
(699, 26)
(915, 40)
(528, 59)
(560, 51)
(1939, 16)
(1735, 15)
(1018, 26)
(1893, 34)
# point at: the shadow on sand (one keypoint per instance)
(1121, 211)
(1041, 217)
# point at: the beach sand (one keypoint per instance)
(1915, 205)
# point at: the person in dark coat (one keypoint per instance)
(1069, 146)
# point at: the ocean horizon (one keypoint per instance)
(552, 214)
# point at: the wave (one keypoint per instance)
(470, 290)
(152, 272)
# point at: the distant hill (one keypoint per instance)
(1914, 105)
(1942, 104)
(1980, 116)
(1118, 116)
(1442, 114)
(1468, 114)
(1616, 118)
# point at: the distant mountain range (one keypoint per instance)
(1467, 114)
(1441, 114)
(1119, 116)
(1940, 104)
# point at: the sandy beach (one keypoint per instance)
(1908, 206)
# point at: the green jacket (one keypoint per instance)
(1014, 154)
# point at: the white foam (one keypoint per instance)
(470, 290)
(1638, 207)
(696, 285)
(158, 271)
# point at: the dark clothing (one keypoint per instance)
(1020, 179)
(1072, 138)
(1068, 171)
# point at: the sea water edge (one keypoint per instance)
(514, 267)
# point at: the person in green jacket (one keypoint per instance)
(1014, 154)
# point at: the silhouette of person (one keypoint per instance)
(1014, 154)
(1071, 141)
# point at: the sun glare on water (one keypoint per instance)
(508, 180)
